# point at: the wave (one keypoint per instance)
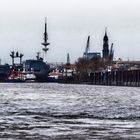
(71, 115)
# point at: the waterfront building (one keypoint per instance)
(93, 55)
(90, 55)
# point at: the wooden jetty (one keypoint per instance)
(116, 78)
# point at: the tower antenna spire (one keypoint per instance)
(45, 33)
(45, 43)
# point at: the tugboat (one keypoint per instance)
(27, 71)
(16, 70)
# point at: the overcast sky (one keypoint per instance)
(69, 24)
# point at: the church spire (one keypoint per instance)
(105, 51)
(105, 37)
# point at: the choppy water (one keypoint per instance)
(71, 112)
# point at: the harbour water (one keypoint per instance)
(72, 112)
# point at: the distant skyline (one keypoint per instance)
(69, 24)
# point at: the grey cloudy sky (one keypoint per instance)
(69, 24)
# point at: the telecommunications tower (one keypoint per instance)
(45, 43)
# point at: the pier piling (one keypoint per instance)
(116, 78)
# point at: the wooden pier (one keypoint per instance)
(116, 78)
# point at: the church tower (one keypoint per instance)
(105, 51)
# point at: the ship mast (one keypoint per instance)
(45, 43)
